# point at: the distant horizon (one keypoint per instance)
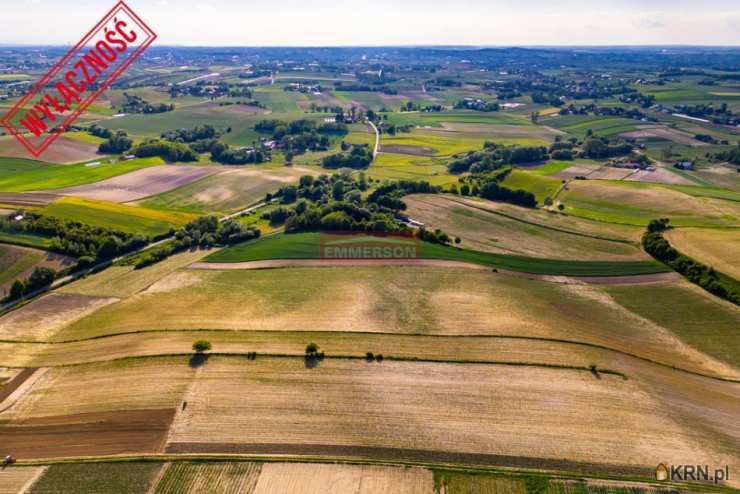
(325, 23)
(479, 47)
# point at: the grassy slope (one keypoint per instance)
(306, 246)
(14, 261)
(540, 185)
(19, 175)
(117, 216)
(701, 320)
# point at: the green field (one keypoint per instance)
(435, 119)
(537, 183)
(389, 166)
(702, 321)
(21, 175)
(130, 219)
(579, 125)
(306, 246)
(636, 203)
(25, 239)
(96, 478)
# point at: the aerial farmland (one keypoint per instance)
(373, 270)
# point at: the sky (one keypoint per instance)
(388, 22)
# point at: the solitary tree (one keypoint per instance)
(201, 346)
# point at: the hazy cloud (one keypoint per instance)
(650, 24)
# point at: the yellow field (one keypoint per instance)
(17, 479)
(105, 387)
(338, 344)
(347, 479)
(440, 407)
(714, 247)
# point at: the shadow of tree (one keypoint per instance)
(198, 360)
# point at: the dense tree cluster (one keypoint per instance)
(118, 142)
(86, 242)
(189, 135)
(597, 148)
(204, 232)
(732, 155)
(494, 156)
(41, 277)
(717, 283)
(335, 203)
(299, 136)
(169, 151)
(137, 104)
(227, 155)
(360, 156)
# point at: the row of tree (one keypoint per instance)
(705, 276)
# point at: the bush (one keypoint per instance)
(201, 346)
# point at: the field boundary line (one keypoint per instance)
(546, 227)
(324, 332)
(231, 457)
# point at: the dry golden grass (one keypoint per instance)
(419, 300)
(17, 480)
(714, 247)
(124, 281)
(294, 343)
(481, 228)
(124, 385)
(528, 412)
(553, 219)
(45, 316)
(222, 478)
(347, 479)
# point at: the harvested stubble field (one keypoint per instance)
(347, 479)
(719, 248)
(86, 434)
(351, 409)
(45, 316)
(660, 176)
(396, 300)
(104, 388)
(485, 226)
(637, 203)
(63, 150)
(339, 344)
(124, 281)
(17, 480)
(141, 183)
(229, 190)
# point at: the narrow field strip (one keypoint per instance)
(317, 263)
(442, 348)
(344, 453)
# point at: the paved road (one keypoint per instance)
(377, 139)
(100, 266)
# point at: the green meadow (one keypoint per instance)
(306, 246)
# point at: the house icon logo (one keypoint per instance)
(661, 472)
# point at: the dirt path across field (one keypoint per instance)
(572, 280)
